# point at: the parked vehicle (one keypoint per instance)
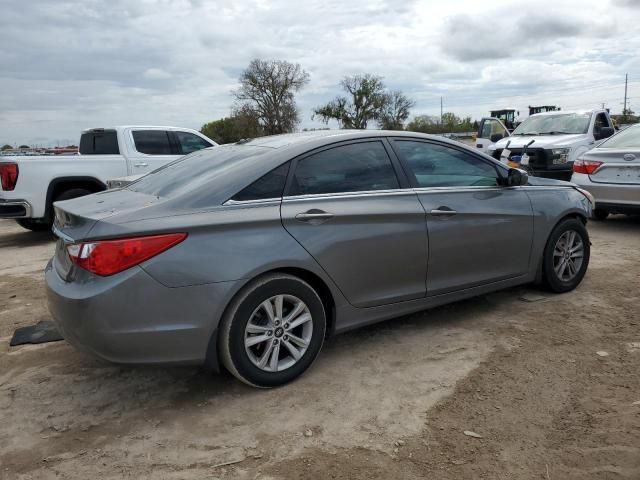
(611, 173)
(543, 108)
(559, 139)
(508, 116)
(31, 184)
(490, 131)
(251, 253)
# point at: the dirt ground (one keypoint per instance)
(389, 401)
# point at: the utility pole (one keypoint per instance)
(626, 78)
(440, 110)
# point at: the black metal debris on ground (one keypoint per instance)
(42, 332)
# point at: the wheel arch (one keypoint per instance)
(60, 184)
(573, 214)
(212, 359)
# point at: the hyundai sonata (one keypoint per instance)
(249, 255)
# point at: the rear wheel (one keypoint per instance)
(272, 331)
(35, 225)
(566, 256)
(599, 214)
(72, 193)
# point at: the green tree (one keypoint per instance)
(267, 88)
(25, 146)
(395, 111)
(365, 100)
(241, 124)
(425, 124)
(6, 146)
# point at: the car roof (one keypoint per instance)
(326, 137)
(563, 112)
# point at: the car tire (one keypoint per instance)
(35, 225)
(72, 193)
(568, 240)
(599, 214)
(247, 320)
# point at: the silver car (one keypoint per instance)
(248, 255)
(611, 173)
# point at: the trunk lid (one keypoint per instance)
(620, 166)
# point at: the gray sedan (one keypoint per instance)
(611, 173)
(249, 255)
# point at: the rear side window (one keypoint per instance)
(99, 143)
(152, 142)
(628, 138)
(191, 143)
(270, 185)
(442, 166)
(349, 168)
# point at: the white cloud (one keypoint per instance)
(65, 66)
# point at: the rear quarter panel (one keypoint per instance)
(229, 243)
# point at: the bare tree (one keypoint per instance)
(365, 101)
(395, 111)
(267, 88)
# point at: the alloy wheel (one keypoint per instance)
(568, 255)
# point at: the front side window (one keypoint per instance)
(152, 142)
(442, 166)
(191, 143)
(356, 167)
(492, 128)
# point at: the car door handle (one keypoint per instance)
(314, 216)
(141, 164)
(443, 212)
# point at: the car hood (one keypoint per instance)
(542, 141)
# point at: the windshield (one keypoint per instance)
(628, 138)
(193, 171)
(554, 124)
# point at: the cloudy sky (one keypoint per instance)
(66, 65)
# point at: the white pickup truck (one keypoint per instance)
(552, 141)
(30, 184)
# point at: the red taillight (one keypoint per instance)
(586, 166)
(8, 176)
(107, 257)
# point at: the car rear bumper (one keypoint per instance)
(15, 209)
(133, 319)
(610, 196)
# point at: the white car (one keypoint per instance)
(30, 185)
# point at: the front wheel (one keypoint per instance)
(272, 331)
(566, 256)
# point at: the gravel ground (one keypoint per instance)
(388, 401)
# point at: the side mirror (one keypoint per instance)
(517, 177)
(605, 132)
(496, 137)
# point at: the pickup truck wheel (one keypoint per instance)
(72, 193)
(33, 224)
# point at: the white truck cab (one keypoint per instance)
(31, 184)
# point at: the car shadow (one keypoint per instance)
(26, 239)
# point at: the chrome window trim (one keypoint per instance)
(363, 193)
(258, 201)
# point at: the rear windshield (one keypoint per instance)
(103, 142)
(193, 171)
(628, 138)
